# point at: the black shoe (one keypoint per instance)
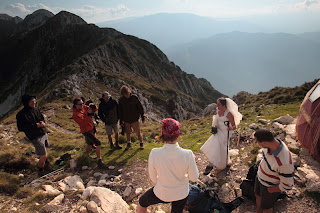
(141, 146)
(129, 146)
(118, 145)
(41, 172)
(208, 170)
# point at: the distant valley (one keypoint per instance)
(234, 55)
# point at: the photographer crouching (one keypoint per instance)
(82, 115)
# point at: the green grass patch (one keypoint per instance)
(9, 183)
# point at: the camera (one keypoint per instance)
(93, 106)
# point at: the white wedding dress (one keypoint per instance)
(215, 148)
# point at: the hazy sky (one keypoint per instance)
(94, 11)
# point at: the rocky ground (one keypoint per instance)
(87, 190)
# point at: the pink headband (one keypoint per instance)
(170, 127)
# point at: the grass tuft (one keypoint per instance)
(9, 183)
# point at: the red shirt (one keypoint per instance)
(81, 117)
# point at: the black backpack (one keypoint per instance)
(201, 201)
(247, 185)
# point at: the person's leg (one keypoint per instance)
(258, 201)
(116, 137)
(40, 149)
(178, 206)
(128, 134)
(257, 194)
(136, 129)
(111, 143)
(98, 152)
(109, 133)
(88, 149)
(42, 160)
(141, 209)
(148, 199)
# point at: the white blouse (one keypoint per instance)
(170, 169)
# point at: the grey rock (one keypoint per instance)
(253, 126)
(50, 190)
(106, 199)
(263, 121)
(286, 119)
(93, 207)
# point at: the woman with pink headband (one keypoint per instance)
(170, 169)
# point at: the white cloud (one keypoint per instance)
(307, 4)
(18, 8)
(89, 13)
(93, 14)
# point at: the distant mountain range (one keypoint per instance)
(60, 57)
(251, 62)
(234, 55)
(168, 29)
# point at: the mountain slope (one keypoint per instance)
(250, 62)
(66, 57)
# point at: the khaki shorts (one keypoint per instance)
(135, 126)
(111, 127)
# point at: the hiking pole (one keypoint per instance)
(227, 123)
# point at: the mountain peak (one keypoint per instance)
(67, 18)
(36, 19)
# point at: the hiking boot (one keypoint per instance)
(141, 146)
(118, 145)
(208, 170)
(47, 167)
(41, 172)
(129, 146)
(100, 163)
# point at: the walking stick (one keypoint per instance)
(227, 123)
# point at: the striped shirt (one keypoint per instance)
(276, 168)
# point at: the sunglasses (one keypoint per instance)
(80, 104)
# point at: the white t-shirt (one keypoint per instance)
(170, 169)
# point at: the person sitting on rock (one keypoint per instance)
(275, 172)
(32, 123)
(82, 115)
(130, 109)
(109, 113)
(170, 169)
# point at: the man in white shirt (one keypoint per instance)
(170, 169)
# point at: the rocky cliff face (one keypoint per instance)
(64, 53)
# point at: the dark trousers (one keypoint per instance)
(149, 198)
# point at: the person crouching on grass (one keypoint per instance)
(82, 115)
(170, 169)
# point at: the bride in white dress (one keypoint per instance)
(215, 148)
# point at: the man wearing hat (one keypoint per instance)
(109, 114)
(31, 122)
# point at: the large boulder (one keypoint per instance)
(312, 175)
(209, 110)
(285, 120)
(106, 200)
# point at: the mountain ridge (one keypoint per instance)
(67, 49)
